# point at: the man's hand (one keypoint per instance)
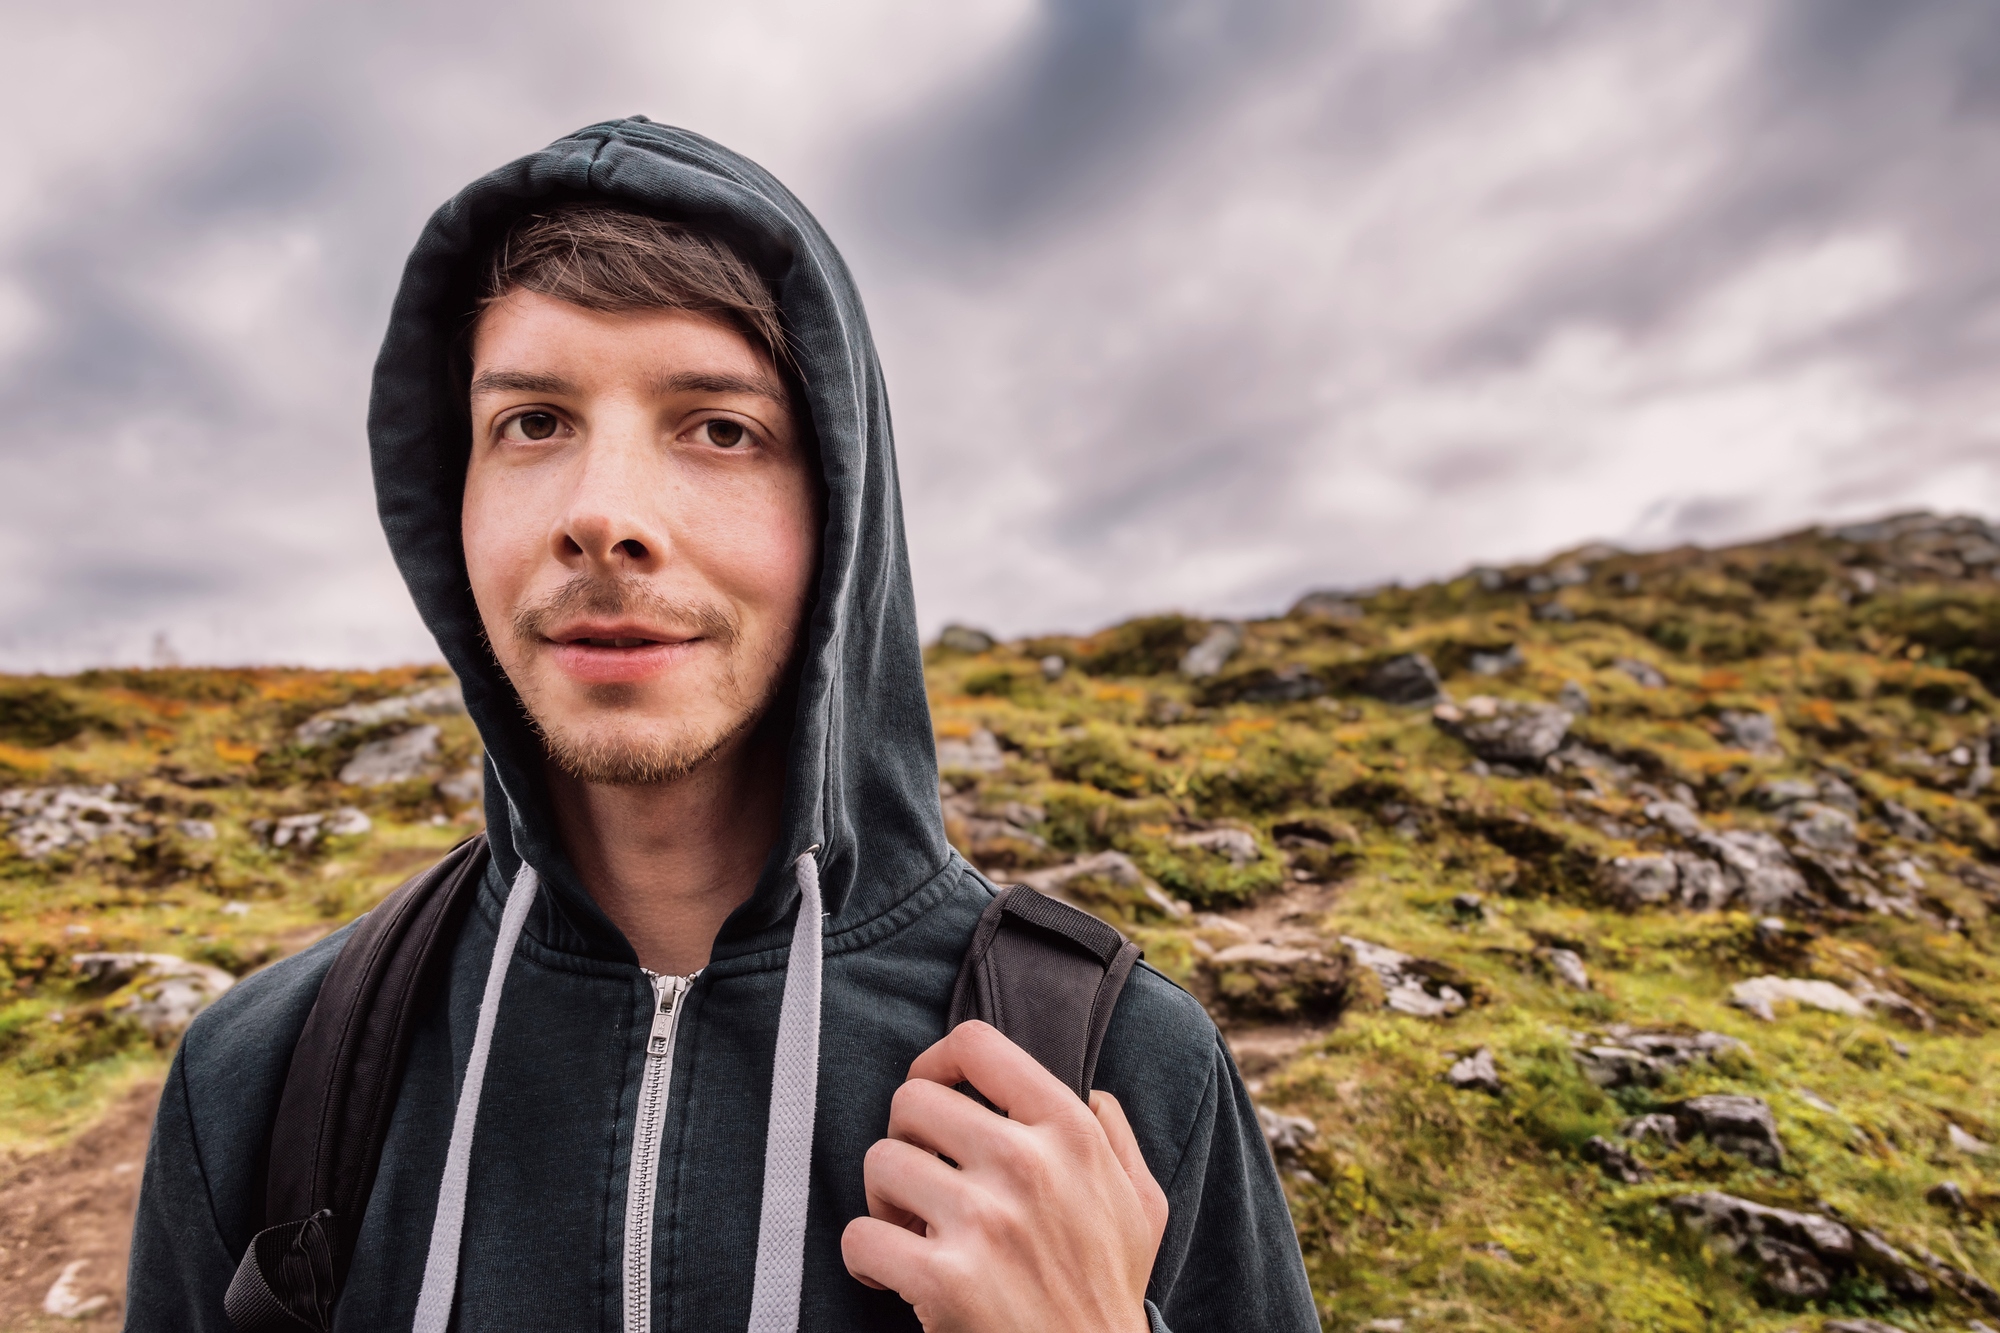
(1048, 1221)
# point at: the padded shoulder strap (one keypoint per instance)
(339, 1095)
(1046, 975)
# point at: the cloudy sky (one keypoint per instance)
(1183, 303)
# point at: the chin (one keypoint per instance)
(613, 753)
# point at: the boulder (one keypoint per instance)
(1761, 874)
(1676, 816)
(1735, 1124)
(1271, 980)
(302, 831)
(1328, 604)
(159, 991)
(1762, 995)
(1624, 1057)
(1574, 697)
(1778, 793)
(1797, 1254)
(1822, 828)
(1567, 967)
(1507, 731)
(1286, 1135)
(1654, 1126)
(1213, 652)
(1615, 1160)
(1495, 661)
(1410, 985)
(397, 758)
(1637, 881)
(467, 787)
(1948, 1194)
(1966, 1143)
(1906, 823)
(322, 728)
(1702, 885)
(1408, 679)
(965, 639)
(1475, 1073)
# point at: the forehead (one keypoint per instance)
(529, 332)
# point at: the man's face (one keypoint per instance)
(641, 524)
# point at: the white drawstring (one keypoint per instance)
(788, 1141)
(441, 1267)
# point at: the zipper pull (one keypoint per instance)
(669, 990)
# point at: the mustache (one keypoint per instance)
(586, 594)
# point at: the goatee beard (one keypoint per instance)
(633, 760)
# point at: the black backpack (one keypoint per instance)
(1039, 970)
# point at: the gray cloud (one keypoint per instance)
(1182, 303)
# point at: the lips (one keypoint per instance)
(593, 654)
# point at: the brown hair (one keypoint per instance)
(603, 257)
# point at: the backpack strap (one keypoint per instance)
(339, 1095)
(1048, 976)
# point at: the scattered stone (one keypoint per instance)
(1268, 979)
(1906, 823)
(1554, 612)
(65, 1301)
(164, 992)
(1213, 652)
(397, 758)
(1568, 968)
(1654, 1126)
(1409, 983)
(1615, 1161)
(47, 820)
(965, 639)
(1814, 1100)
(1383, 1326)
(467, 787)
(1475, 1073)
(1761, 874)
(1469, 907)
(1643, 880)
(1823, 828)
(1948, 1194)
(1274, 685)
(1506, 731)
(323, 728)
(1735, 1124)
(197, 830)
(1752, 731)
(1053, 667)
(1573, 697)
(1797, 1253)
(1327, 604)
(1626, 1058)
(1762, 995)
(1409, 679)
(1496, 661)
(1287, 1135)
(1965, 1142)
(1238, 846)
(1677, 816)
(302, 831)
(1858, 1325)
(1645, 674)
(978, 753)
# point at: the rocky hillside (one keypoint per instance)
(1609, 943)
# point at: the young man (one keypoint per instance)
(688, 1068)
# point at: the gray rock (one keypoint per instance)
(1752, 731)
(1797, 1254)
(1286, 1135)
(1838, 794)
(1948, 1194)
(1760, 872)
(302, 831)
(1858, 1326)
(164, 992)
(1790, 1272)
(965, 639)
(1615, 1160)
(1778, 793)
(1897, 1270)
(1568, 968)
(1620, 1066)
(47, 820)
(1735, 1124)
(437, 701)
(1906, 823)
(397, 758)
(1409, 679)
(1761, 995)
(1629, 1058)
(1469, 907)
(1285, 684)
(978, 753)
(1676, 816)
(1327, 604)
(1645, 674)
(1213, 652)
(1555, 613)
(1655, 1126)
(1966, 1143)
(1573, 697)
(1643, 880)
(1496, 662)
(1409, 989)
(1703, 886)
(1823, 828)
(1238, 846)
(1475, 1073)
(1053, 667)
(1507, 731)
(467, 787)
(198, 830)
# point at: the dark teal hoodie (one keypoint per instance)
(545, 1216)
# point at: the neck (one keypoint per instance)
(668, 862)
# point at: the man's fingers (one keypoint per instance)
(1010, 1078)
(885, 1256)
(945, 1120)
(1125, 1144)
(906, 1184)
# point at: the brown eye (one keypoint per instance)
(538, 425)
(724, 434)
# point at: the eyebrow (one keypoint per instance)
(520, 381)
(756, 386)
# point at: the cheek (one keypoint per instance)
(500, 542)
(761, 546)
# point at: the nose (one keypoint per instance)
(611, 524)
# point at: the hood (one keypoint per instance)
(861, 782)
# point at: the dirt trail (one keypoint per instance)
(73, 1206)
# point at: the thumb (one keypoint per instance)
(1125, 1145)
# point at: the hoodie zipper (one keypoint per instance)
(643, 1177)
